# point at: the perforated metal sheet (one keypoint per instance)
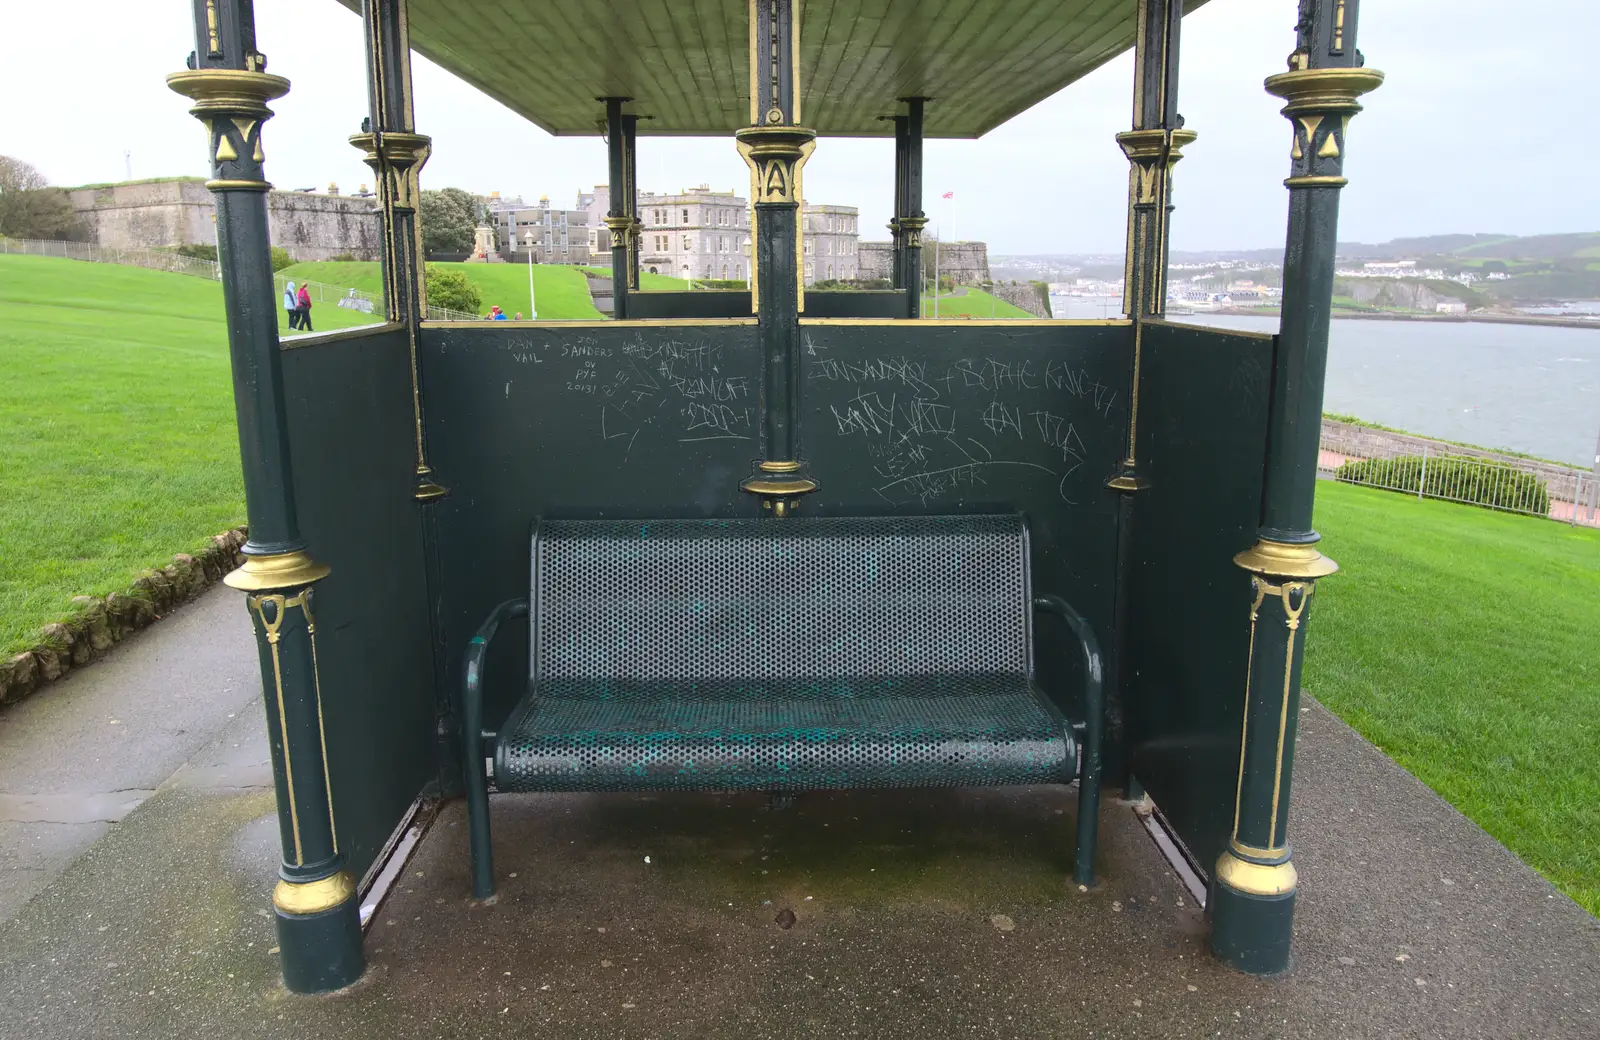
(801, 597)
(795, 654)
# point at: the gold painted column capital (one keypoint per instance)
(232, 103)
(776, 153)
(1320, 105)
(396, 158)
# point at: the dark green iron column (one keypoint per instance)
(776, 148)
(396, 153)
(319, 931)
(912, 219)
(630, 195)
(1152, 147)
(897, 273)
(619, 222)
(1253, 887)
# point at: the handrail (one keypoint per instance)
(472, 737)
(1093, 725)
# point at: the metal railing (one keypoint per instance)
(1505, 483)
(154, 259)
(176, 263)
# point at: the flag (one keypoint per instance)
(948, 195)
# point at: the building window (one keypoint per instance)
(685, 216)
(688, 244)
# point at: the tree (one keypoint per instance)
(452, 290)
(30, 208)
(449, 218)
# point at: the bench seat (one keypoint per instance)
(781, 655)
(783, 735)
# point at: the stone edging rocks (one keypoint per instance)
(99, 623)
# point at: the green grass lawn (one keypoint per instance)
(1466, 645)
(562, 291)
(116, 417)
(974, 303)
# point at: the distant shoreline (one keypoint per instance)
(1558, 321)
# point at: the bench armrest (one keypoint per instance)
(1093, 725)
(472, 679)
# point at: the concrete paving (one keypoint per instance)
(915, 914)
(82, 753)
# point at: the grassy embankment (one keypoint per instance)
(973, 303)
(562, 292)
(1460, 641)
(116, 416)
(1466, 645)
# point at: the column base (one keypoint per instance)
(321, 952)
(1251, 907)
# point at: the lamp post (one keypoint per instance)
(533, 306)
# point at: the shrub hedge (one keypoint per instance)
(1483, 482)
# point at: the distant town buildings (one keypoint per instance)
(696, 233)
(555, 236)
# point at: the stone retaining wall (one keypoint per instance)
(99, 623)
(1032, 298)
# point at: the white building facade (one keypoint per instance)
(701, 234)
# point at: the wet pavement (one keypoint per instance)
(892, 914)
(82, 753)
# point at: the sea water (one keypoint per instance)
(1527, 388)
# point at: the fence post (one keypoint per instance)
(1422, 481)
(1577, 498)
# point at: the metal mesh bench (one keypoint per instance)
(780, 655)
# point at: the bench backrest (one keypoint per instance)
(796, 597)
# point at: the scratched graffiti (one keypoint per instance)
(937, 430)
(651, 388)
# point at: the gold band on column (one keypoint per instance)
(313, 897)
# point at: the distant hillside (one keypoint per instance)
(1578, 245)
(1570, 246)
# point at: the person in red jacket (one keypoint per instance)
(305, 309)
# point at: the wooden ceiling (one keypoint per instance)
(685, 62)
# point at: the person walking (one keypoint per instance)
(305, 309)
(291, 303)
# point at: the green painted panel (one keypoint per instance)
(583, 422)
(351, 439)
(920, 418)
(1202, 446)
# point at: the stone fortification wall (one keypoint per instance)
(146, 214)
(154, 214)
(312, 226)
(875, 260)
(1035, 299)
(965, 263)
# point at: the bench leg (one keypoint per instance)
(475, 779)
(1094, 708)
(478, 824)
(1088, 810)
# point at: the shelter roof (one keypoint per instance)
(685, 62)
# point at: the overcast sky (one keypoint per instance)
(1483, 125)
